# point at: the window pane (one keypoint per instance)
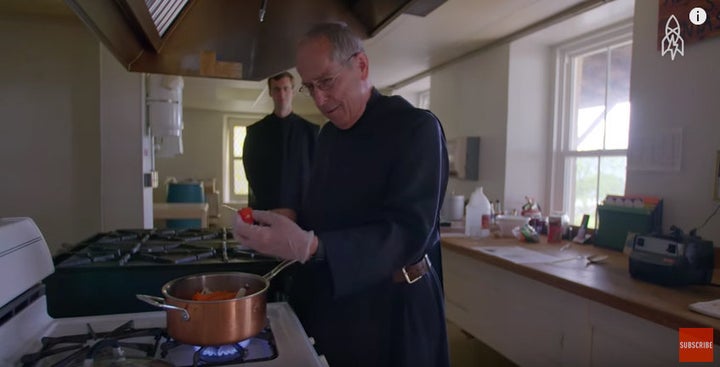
(612, 176)
(618, 118)
(238, 141)
(589, 128)
(590, 81)
(589, 189)
(585, 188)
(618, 126)
(240, 184)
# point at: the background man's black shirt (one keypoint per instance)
(277, 156)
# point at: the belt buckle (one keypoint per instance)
(407, 277)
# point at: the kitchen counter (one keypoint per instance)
(595, 305)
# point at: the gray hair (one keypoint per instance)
(344, 42)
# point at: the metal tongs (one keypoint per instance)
(589, 259)
(594, 259)
(271, 274)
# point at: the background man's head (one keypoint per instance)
(334, 71)
(280, 88)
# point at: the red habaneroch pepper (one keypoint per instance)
(246, 215)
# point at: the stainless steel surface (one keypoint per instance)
(280, 267)
(160, 303)
(223, 38)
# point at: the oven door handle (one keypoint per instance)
(160, 302)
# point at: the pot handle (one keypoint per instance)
(274, 271)
(160, 302)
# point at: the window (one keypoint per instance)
(592, 121)
(424, 99)
(236, 185)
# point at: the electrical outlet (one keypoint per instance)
(150, 179)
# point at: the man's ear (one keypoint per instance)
(363, 64)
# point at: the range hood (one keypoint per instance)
(232, 39)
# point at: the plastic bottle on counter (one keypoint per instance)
(477, 215)
(558, 225)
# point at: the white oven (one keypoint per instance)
(30, 337)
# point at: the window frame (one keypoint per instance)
(229, 123)
(563, 176)
(424, 99)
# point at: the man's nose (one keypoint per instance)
(319, 96)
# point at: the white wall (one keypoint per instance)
(73, 150)
(125, 151)
(677, 94)
(49, 131)
(529, 124)
(471, 99)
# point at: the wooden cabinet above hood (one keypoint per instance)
(226, 38)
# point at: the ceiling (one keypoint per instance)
(399, 54)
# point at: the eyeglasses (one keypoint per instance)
(325, 84)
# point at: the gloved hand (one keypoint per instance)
(277, 236)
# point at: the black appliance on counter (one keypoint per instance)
(102, 274)
(673, 259)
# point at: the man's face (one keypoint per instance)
(336, 87)
(281, 92)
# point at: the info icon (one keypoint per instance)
(697, 16)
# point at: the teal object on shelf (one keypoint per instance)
(185, 192)
(615, 222)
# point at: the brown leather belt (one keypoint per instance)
(412, 273)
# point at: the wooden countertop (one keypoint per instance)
(608, 283)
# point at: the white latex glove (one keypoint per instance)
(277, 236)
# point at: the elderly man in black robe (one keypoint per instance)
(366, 290)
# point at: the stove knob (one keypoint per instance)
(312, 340)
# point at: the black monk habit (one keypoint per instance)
(277, 155)
(374, 202)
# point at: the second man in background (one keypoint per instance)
(278, 152)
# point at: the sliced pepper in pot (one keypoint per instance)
(213, 296)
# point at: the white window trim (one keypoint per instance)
(229, 121)
(560, 182)
(424, 99)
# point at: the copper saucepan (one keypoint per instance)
(215, 322)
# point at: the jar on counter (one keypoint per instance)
(558, 224)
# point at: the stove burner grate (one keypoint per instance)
(261, 347)
(73, 349)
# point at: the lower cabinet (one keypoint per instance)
(534, 324)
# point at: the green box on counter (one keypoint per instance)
(615, 222)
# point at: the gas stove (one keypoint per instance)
(29, 336)
(109, 268)
(143, 247)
